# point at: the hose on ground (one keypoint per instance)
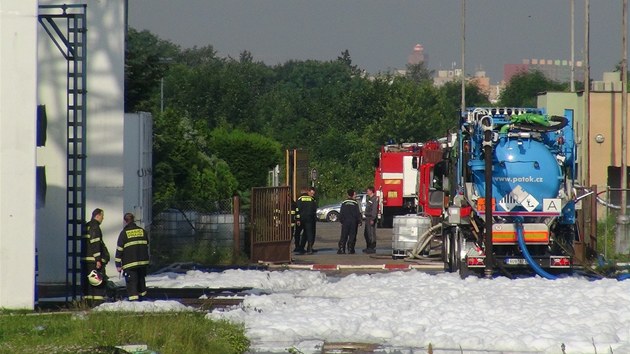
(423, 241)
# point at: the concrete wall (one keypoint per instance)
(18, 111)
(105, 121)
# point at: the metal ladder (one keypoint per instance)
(72, 45)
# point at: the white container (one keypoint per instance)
(407, 229)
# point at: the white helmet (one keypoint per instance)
(95, 278)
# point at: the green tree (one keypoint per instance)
(474, 96)
(523, 88)
(413, 113)
(419, 73)
(146, 61)
(183, 170)
(249, 155)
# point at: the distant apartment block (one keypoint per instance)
(553, 69)
(480, 79)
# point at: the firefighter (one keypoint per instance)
(94, 257)
(306, 218)
(350, 219)
(297, 227)
(371, 209)
(132, 257)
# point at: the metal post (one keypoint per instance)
(624, 106)
(572, 45)
(162, 95)
(236, 212)
(622, 241)
(463, 102)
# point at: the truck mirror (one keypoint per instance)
(414, 162)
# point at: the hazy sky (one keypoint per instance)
(380, 34)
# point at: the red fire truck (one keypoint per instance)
(403, 180)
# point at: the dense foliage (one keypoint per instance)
(522, 89)
(227, 121)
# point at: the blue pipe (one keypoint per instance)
(535, 266)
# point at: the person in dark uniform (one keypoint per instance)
(311, 192)
(371, 209)
(350, 219)
(94, 256)
(297, 229)
(132, 257)
(306, 218)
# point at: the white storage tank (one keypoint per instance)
(407, 229)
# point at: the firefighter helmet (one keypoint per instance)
(95, 278)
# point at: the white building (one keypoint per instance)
(35, 70)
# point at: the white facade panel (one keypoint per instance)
(18, 112)
(138, 166)
(105, 121)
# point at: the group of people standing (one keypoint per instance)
(350, 218)
(305, 218)
(132, 259)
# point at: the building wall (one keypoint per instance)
(105, 119)
(605, 119)
(593, 157)
(18, 112)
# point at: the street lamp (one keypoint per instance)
(163, 60)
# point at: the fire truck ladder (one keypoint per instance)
(72, 45)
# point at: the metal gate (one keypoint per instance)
(271, 225)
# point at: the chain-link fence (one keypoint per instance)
(201, 233)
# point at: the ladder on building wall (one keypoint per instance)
(72, 45)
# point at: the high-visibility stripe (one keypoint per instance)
(135, 264)
(135, 243)
(392, 181)
(93, 297)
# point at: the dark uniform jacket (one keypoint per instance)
(93, 248)
(349, 213)
(133, 247)
(306, 209)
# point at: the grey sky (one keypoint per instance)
(380, 34)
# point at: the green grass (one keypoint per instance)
(606, 234)
(100, 332)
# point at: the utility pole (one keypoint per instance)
(572, 45)
(622, 242)
(463, 106)
(624, 106)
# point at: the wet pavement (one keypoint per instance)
(327, 259)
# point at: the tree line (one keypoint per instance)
(220, 124)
